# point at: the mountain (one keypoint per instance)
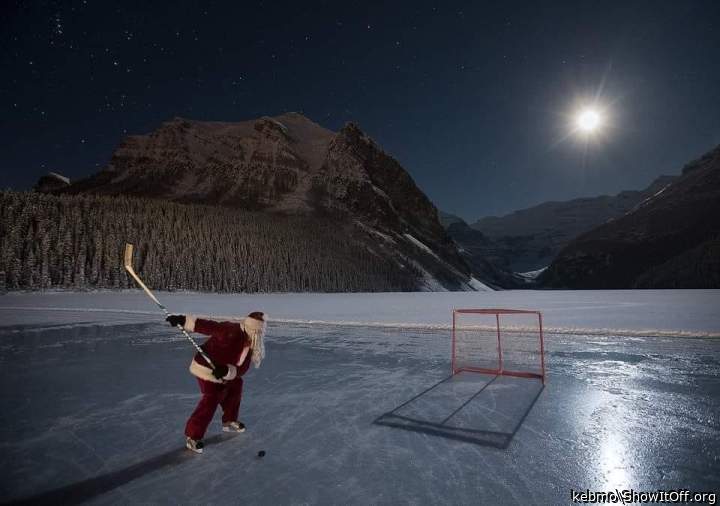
(50, 182)
(669, 240)
(288, 165)
(447, 219)
(481, 254)
(529, 239)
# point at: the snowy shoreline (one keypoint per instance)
(662, 313)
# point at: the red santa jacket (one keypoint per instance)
(225, 346)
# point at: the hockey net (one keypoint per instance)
(506, 342)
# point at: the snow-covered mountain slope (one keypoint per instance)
(529, 239)
(289, 165)
(669, 240)
(485, 256)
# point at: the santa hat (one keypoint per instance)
(254, 326)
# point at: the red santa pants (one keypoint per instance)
(227, 395)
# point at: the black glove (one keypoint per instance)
(220, 371)
(176, 319)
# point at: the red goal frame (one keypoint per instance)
(499, 370)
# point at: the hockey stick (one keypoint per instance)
(129, 267)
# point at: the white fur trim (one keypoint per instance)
(189, 323)
(243, 356)
(202, 372)
(231, 374)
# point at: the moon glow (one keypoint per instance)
(588, 120)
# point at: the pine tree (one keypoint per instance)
(45, 281)
(77, 241)
(80, 266)
(66, 255)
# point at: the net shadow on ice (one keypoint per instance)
(482, 409)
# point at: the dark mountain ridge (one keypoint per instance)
(288, 165)
(669, 240)
(529, 239)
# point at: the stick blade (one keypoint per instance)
(128, 255)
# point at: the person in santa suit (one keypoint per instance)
(232, 346)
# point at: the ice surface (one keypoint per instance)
(471, 407)
(95, 394)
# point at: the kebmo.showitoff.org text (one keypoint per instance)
(630, 496)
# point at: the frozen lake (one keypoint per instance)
(95, 394)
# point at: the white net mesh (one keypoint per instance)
(497, 342)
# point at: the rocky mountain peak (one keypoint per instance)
(352, 133)
(52, 181)
(175, 123)
(272, 129)
(290, 165)
(711, 157)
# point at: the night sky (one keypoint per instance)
(474, 98)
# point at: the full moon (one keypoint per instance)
(588, 120)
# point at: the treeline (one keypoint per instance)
(76, 242)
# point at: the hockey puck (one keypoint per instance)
(261, 453)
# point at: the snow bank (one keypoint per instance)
(602, 312)
(531, 275)
(479, 286)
